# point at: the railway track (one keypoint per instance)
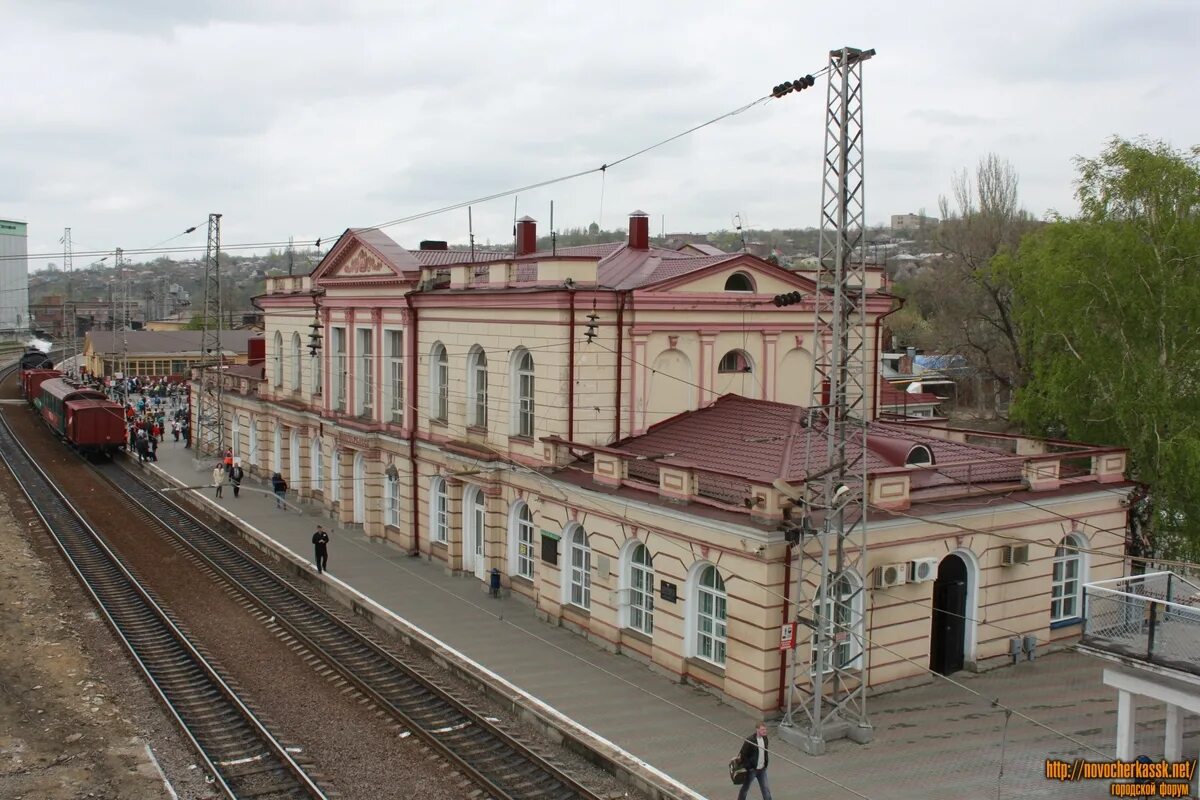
(473, 743)
(240, 754)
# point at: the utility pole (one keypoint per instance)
(210, 423)
(291, 256)
(826, 698)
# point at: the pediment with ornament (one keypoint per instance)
(364, 257)
(360, 264)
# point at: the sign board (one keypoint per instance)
(787, 636)
(668, 592)
(550, 547)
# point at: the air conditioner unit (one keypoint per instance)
(888, 575)
(1012, 554)
(921, 570)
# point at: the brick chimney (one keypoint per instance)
(526, 236)
(639, 231)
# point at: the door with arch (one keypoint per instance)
(473, 533)
(360, 488)
(948, 631)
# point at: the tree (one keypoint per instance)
(1108, 305)
(965, 303)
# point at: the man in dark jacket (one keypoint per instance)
(320, 541)
(236, 475)
(755, 758)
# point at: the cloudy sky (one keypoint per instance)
(131, 120)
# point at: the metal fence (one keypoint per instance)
(1154, 617)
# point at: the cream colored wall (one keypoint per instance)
(286, 323)
(715, 282)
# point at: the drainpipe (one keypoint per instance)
(787, 589)
(617, 406)
(571, 366)
(875, 372)
(414, 372)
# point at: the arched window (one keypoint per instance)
(919, 456)
(1067, 579)
(297, 364)
(278, 363)
(335, 476)
(843, 622)
(439, 522)
(477, 387)
(739, 282)
(522, 381)
(439, 378)
(520, 538)
(314, 461)
(734, 361)
(277, 456)
(252, 424)
(710, 615)
(315, 375)
(236, 436)
(294, 473)
(579, 568)
(639, 585)
(391, 486)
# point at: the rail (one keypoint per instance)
(1153, 618)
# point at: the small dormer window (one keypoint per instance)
(919, 456)
(739, 282)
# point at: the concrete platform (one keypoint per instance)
(931, 741)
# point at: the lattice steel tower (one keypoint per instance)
(827, 696)
(68, 305)
(210, 422)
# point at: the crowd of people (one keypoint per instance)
(160, 409)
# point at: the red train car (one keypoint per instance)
(31, 381)
(87, 419)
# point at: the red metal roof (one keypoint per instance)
(57, 387)
(741, 440)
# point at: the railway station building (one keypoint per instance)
(158, 354)
(604, 426)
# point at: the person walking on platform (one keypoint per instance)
(218, 477)
(755, 758)
(236, 475)
(279, 486)
(320, 541)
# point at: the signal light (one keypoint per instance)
(789, 299)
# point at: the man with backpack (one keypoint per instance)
(755, 757)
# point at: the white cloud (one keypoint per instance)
(131, 120)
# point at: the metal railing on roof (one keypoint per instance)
(1153, 618)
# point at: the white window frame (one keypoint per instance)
(364, 380)
(314, 463)
(639, 589)
(1068, 573)
(253, 441)
(477, 388)
(339, 368)
(394, 386)
(711, 613)
(391, 487)
(524, 383)
(439, 383)
(335, 476)
(845, 617)
(277, 367)
(235, 436)
(297, 363)
(439, 511)
(577, 588)
(521, 554)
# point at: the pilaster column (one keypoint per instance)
(326, 361)
(707, 366)
(377, 321)
(1173, 746)
(639, 392)
(351, 361)
(454, 524)
(770, 360)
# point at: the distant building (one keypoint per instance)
(14, 276)
(912, 222)
(157, 353)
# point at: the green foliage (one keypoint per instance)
(196, 323)
(1109, 308)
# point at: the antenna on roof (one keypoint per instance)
(553, 235)
(737, 220)
(471, 232)
(516, 197)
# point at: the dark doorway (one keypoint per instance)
(947, 640)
